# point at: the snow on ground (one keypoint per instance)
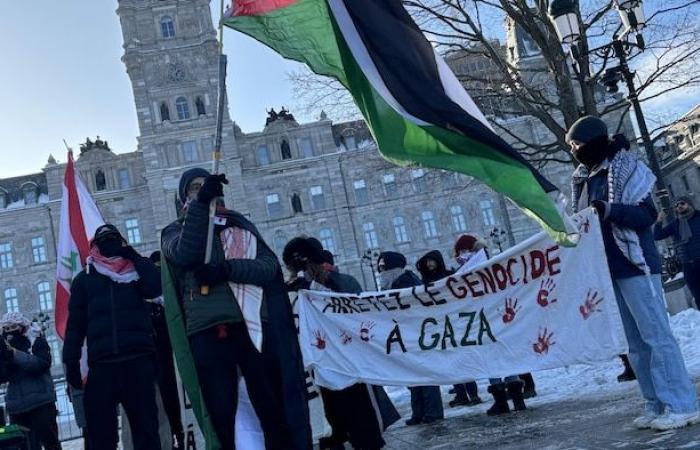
(577, 381)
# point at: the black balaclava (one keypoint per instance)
(108, 240)
(593, 134)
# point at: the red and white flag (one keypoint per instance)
(79, 220)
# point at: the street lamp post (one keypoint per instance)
(498, 237)
(369, 258)
(565, 17)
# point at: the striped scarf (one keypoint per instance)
(116, 268)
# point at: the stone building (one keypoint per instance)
(679, 155)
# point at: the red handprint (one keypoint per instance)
(512, 309)
(584, 226)
(546, 288)
(345, 337)
(320, 342)
(544, 341)
(365, 330)
(590, 305)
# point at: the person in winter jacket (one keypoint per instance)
(350, 412)
(426, 401)
(611, 179)
(432, 268)
(30, 399)
(108, 308)
(685, 230)
(224, 338)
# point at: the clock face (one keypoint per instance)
(176, 72)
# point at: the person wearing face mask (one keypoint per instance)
(685, 230)
(241, 326)
(26, 367)
(432, 268)
(619, 186)
(426, 401)
(108, 308)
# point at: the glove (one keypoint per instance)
(211, 274)
(127, 252)
(5, 351)
(73, 376)
(601, 207)
(212, 188)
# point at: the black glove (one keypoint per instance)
(211, 274)
(601, 207)
(127, 252)
(212, 188)
(73, 376)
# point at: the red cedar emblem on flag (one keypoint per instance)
(79, 220)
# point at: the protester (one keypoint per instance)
(224, 338)
(351, 412)
(432, 268)
(469, 252)
(685, 230)
(426, 401)
(107, 306)
(30, 399)
(618, 185)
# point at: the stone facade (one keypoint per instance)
(679, 156)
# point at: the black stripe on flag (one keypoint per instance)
(406, 62)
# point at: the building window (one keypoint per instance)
(124, 179)
(100, 180)
(167, 27)
(199, 105)
(45, 298)
(296, 204)
(183, 108)
(318, 201)
(307, 147)
(55, 350)
(459, 222)
(390, 188)
(400, 229)
(274, 206)
(487, 213)
(418, 176)
(370, 234)
(285, 150)
(349, 142)
(189, 151)
(361, 193)
(38, 249)
(30, 193)
(133, 234)
(11, 300)
(263, 155)
(325, 235)
(429, 224)
(6, 256)
(164, 112)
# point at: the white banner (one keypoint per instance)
(536, 306)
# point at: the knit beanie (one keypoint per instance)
(685, 198)
(186, 179)
(587, 129)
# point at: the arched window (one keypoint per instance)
(286, 151)
(296, 204)
(167, 27)
(100, 181)
(30, 193)
(199, 104)
(183, 108)
(164, 112)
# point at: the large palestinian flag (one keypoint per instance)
(415, 107)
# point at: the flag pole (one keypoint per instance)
(216, 155)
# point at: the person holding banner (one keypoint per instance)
(432, 268)
(611, 179)
(108, 308)
(426, 401)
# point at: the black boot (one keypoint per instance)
(529, 389)
(473, 393)
(461, 397)
(628, 374)
(500, 403)
(515, 391)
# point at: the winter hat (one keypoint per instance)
(14, 318)
(392, 260)
(186, 179)
(155, 257)
(587, 129)
(309, 248)
(685, 198)
(328, 257)
(465, 243)
(104, 231)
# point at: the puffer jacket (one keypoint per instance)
(28, 375)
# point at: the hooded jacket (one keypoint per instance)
(441, 272)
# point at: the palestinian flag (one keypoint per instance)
(415, 107)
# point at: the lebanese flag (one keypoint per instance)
(79, 220)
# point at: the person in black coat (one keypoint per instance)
(108, 308)
(426, 401)
(432, 268)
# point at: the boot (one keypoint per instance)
(529, 389)
(628, 374)
(413, 421)
(473, 393)
(515, 390)
(500, 403)
(461, 397)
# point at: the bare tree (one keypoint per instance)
(545, 87)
